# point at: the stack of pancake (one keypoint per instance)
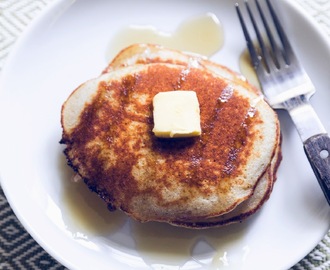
(220, 177)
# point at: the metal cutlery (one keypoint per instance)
(286, 85)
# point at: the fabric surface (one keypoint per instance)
(17, 249)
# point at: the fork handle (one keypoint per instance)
(317, 149)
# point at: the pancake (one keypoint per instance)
(107, 125)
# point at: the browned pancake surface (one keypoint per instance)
(114, 150)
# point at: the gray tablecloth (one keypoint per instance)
(17, 249)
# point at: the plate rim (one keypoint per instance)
(10, 58)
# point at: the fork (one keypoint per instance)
(286, 85)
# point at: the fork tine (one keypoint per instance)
(268, 61)
(275, 48)
(253, 53)
(281, 53)
(288, 53)
(264, 59)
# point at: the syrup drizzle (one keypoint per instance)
(193, 63)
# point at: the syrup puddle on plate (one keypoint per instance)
(158, 245)
(201, 34)
(167, 247)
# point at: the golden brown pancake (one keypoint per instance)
(107, 128)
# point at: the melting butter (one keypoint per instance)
(201, 34)
(176, 114)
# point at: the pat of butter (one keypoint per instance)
(176, 114)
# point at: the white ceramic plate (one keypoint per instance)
(67, 45)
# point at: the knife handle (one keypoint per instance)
(317, 149)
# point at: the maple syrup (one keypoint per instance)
(201, 34)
